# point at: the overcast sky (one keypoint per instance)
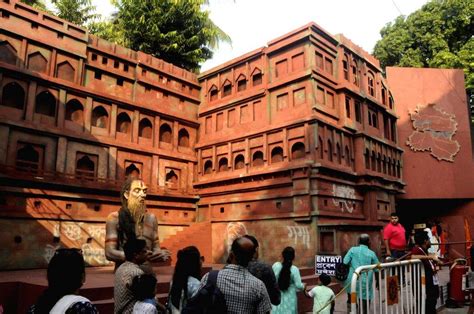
(253, 23)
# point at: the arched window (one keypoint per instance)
(367, 159)
(338, 153)
(223, 165)
(373, 162)
(297, 151)
(384, 164)
(37, 62)
(124, 123)
(213, 92)
(379, 162)
(100, 117)
(65, 71)
(329, 150)
(7, 53)
(241, 83)
(208, 167)
(345, 67)
(371, 83)
(183, 138)
(389, 166)
(239, 162)
(226, 89)
(256, 77)
(132, 171)
(45, 104)
(13, 96)
(74, 111)
(28, 158)
(85, 168)
(277, 154)
(394, 168)
(145, 128)
(171, 180)
(355, 72)
(399, 174)
(166, 134)
(347, 156)
(257, 159)
(321, 148)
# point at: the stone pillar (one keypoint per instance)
(175, 134)
(135, 124)
(61, 108)
(88, 114)
(30, 101)
(61, 154)
(4, 134)
(156, 132)
(155, 171)
(113, 121)
(113, 164)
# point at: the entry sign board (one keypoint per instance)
(326, 264)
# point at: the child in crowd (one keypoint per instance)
(144, 290)
(323, 296)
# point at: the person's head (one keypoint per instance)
(288, 254)
(189, 263)
(255, 244)
(144, 286)
(66, 270)
(422, 239)
(394, 218)
(65, 274)
(134, 195)
(364, 239)
(135, 251)
(325, 279)
(241, 251)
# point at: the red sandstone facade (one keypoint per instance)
(295, 143)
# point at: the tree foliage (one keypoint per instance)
(439, 35)
(80, 12)
(177, 31)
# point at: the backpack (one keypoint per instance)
(208, 300)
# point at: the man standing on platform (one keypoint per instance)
(394, 237)
(132, 221)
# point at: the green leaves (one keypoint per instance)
(177, 31)
(438, 35)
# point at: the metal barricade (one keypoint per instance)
(396, 287)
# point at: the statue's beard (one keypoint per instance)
(137, 209)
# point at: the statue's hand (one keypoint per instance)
(159, 256)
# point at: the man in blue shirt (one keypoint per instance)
(359, 256)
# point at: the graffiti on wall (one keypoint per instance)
(299, 234)
(233, 231)
(344, 196)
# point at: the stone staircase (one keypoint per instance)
(197, 234)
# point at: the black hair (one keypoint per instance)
(144, 286)
(325, 279)
(421, 237)
(393, 214)
(188, 264)
(253, 239)
(66, 271)
(125, 220)
(242, 255)
(133, 247)
(284, 278)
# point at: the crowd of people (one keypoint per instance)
(245, 284)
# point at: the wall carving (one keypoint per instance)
(434, 131)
